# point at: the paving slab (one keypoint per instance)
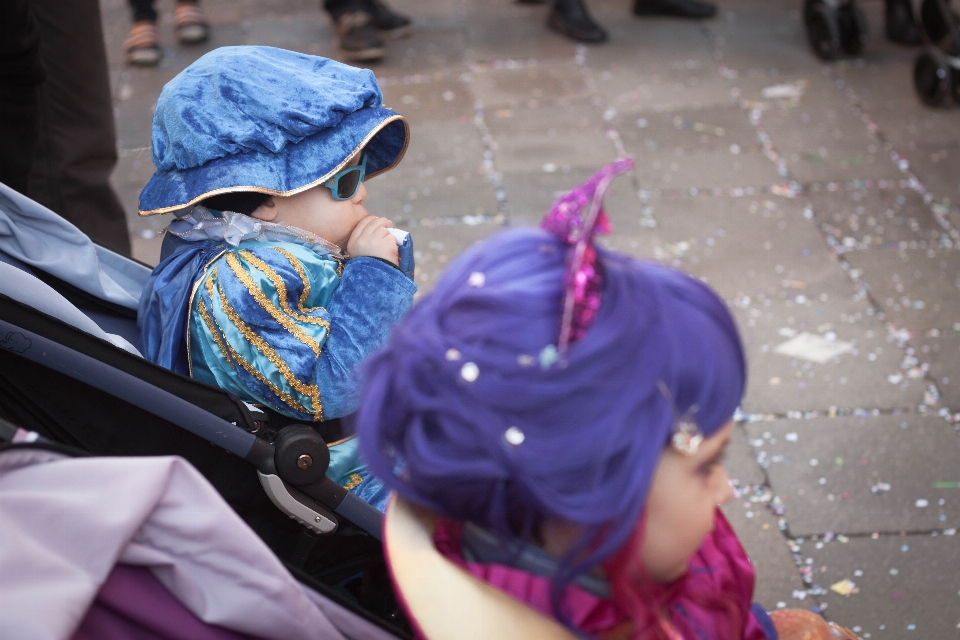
(861, 475)
(690, 81)
(722, 128)
(425, 103)
(465, 197)
(940, 350)
(777, 575)
(918, 289)
(871, 218)
(531, 193)
(763, 37)
(936, 167)
(730, 167)
(827, 144)
(746, 246)
(908, 587)
(570, 134)
(530, 85)
(870, 375)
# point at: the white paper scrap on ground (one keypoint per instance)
(808, 346)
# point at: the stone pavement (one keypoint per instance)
(820, 200)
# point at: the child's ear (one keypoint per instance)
(266, 211)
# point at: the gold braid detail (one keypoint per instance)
(303, 278)
(215, 331)
(261, 299)
(311, 391)
(355, 481)
(281, 287)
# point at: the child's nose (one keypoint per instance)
(360, 195)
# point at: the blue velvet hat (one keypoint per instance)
(266, 120)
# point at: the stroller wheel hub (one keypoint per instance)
(304, 461)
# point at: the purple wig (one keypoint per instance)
(593, 425)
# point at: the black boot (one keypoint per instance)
(570, 18)
(900, 24)
(390, 23)
(675, 8)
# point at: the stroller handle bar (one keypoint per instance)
(297, 503)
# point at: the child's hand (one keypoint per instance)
(371, 238)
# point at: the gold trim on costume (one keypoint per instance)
(273, 192)
(281, 287)
(303, 278)
(232, 355)
(311, 391)
(355, 481)
(262, 300)
(193, 293)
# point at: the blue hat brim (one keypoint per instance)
(382, 133)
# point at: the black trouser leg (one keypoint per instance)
(77, 150)
(20, 76)
(143, 10)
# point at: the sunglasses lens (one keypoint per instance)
(348, 184)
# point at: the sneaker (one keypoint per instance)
(142, 47)
(191, 23)
(391, 25)
(359, 37)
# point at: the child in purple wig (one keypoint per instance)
(594, 464)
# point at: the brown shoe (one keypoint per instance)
(191, 23)
(142, 47)
(358, 36)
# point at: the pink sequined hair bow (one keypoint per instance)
(576, 224)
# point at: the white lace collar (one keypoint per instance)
(200, 224)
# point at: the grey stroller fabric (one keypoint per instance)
(37, 237)
(65, 522)
(22, 286)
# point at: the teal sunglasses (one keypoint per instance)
(344, 183)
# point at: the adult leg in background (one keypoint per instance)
(77, 148)
(21, 74)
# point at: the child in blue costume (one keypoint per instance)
(274, 283)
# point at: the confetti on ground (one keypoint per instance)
(845, 587)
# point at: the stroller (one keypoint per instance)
(837, 28)
(936, 72)
(143, 547)
(69, 371)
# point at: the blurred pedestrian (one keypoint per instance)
(571, 18)
(57, 135)
(364, 26)
(142, 46)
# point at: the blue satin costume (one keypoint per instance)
(280, 323)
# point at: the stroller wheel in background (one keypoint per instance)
(853, 28)
(933, 77)
(823, 29)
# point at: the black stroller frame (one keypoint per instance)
(75, 389)
(936, 72)
(838, 28)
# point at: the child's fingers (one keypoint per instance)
(370, 223)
